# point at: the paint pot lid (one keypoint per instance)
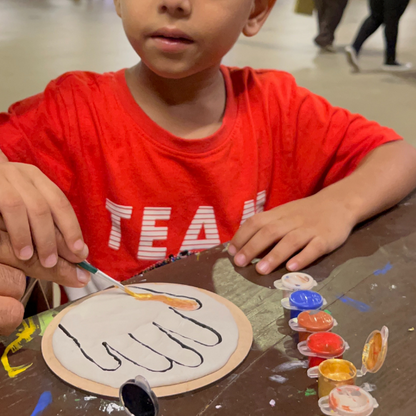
(374, 352)
(138, 398)
(295, 281)
(326, 344)
(305, 300)
(315, 321)
(348, 401)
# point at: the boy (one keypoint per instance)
(177, 152)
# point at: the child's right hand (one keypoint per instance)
(31, 206)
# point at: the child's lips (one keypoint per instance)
(171, 40)
(171, 45)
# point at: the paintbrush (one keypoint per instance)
(184, 304)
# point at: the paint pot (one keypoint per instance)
(322, 346)
(348, 401)
(333, 373)
(290, 282)
(310, 322)
(138, 398)
(336, 372)
(303, 300)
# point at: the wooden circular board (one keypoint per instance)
(245, 339)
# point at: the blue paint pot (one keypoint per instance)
(304, 300)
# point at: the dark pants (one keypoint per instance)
(329, 16)
(387, 12)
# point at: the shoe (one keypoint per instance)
(352, 57)
(396, 67)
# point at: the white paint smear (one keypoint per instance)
(278, 379)
(110, 408)
(272, 403)
(291, 365)
(218, 406)
(89, 398)
(369, 387)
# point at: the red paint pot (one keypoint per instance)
(322, 346)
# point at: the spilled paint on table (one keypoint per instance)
(384, 270)
(310, 392)
(361, 306)
(24, 333)
(45, 400)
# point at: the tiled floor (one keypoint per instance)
(40, 39)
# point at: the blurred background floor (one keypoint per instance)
(41, 39)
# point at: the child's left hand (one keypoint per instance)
(314, 226)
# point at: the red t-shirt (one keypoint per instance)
(141, 193)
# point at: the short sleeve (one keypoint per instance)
(327, 143)
(36, 131)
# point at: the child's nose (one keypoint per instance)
(176, 7)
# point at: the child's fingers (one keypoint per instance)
(13, 211)
(65, 253)
(64, 272)
(40, 218)
(246, 232)
(316, 248)
(287, 246)
(63, 215)
(262, 240)
(63, 250)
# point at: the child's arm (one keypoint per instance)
(321, 223)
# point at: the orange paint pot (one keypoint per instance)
(334, 373)
(310, 322)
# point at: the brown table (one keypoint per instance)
(377, 267)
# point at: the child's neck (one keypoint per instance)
(191, 107)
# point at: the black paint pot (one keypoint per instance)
(138, 398)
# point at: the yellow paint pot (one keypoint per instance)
(333, 373)
(336, 372)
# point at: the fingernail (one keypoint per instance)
(240, 260)
(232, 251)
(293, 267)
(85, 251)
(51, 260)
(79, 245)
(83, 276)
(263, 267)
(26, 253)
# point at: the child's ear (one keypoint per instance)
(260, 11)
(118, 7)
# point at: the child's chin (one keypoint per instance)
(173, 70)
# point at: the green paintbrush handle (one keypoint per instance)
(85, 265)
(90, 268)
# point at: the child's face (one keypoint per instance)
(179, 38)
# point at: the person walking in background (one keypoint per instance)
(387, 12)
(329, 16)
